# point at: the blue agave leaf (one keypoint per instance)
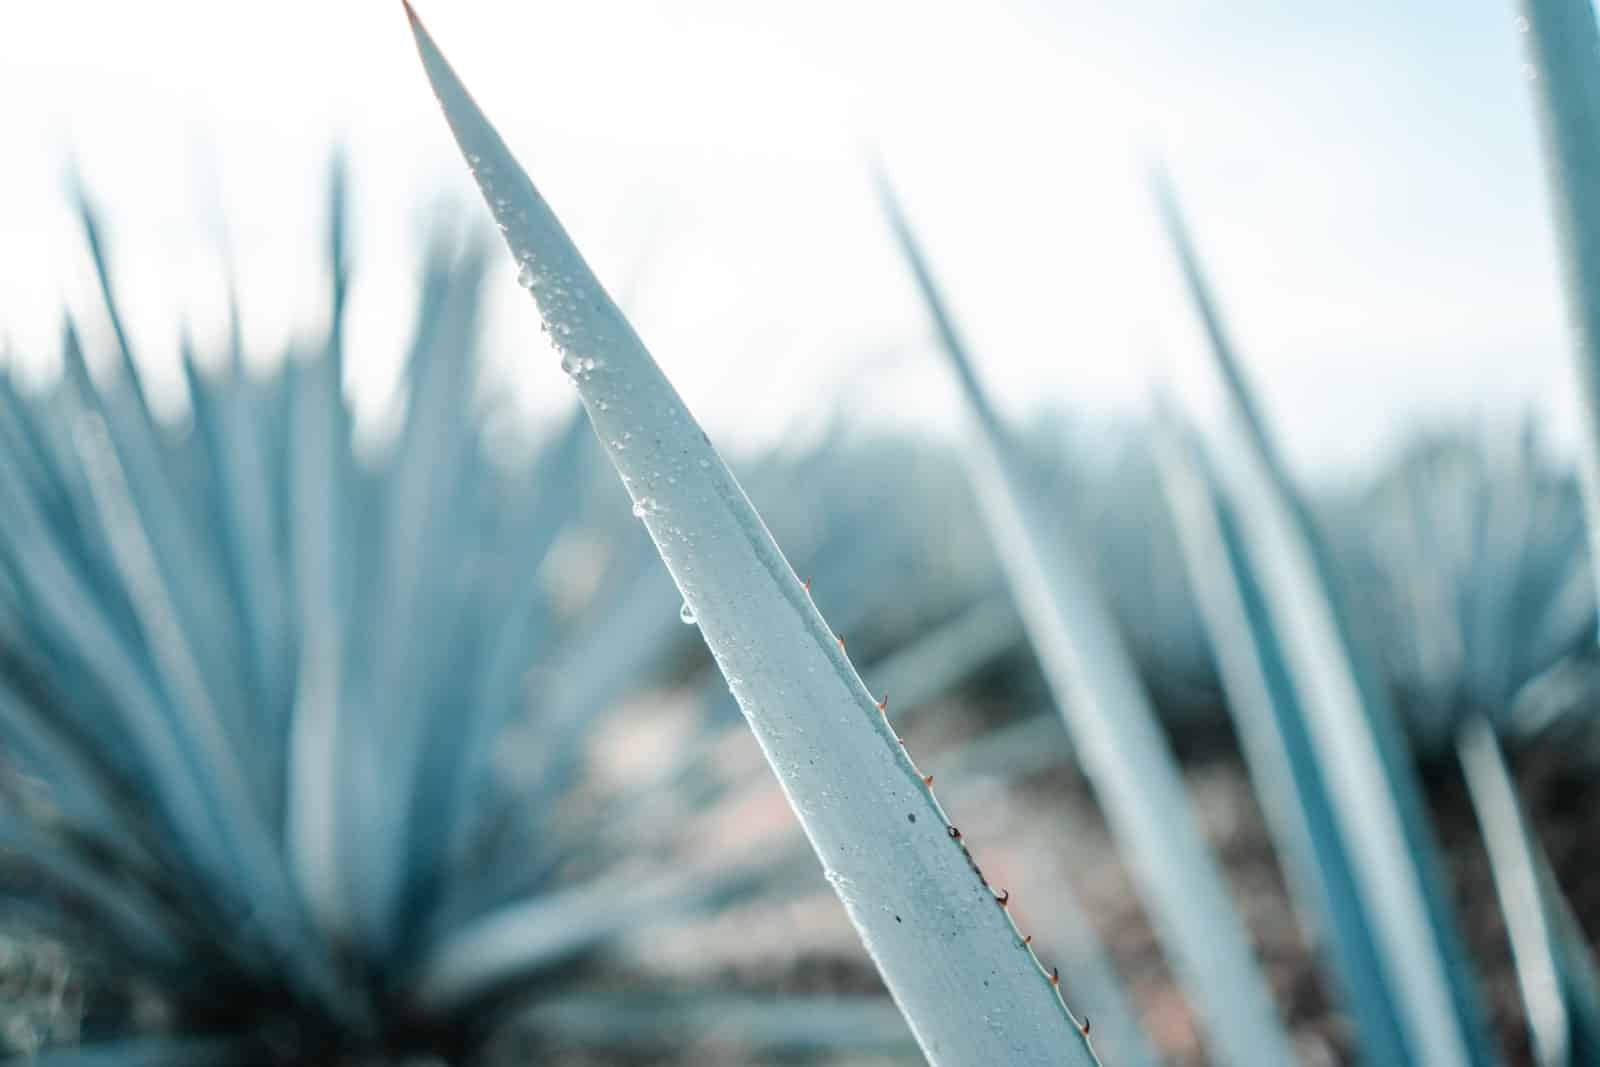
(743, 585)
(1367, 767)
(250, 568)
(1104, 706)
(1276, 740)
(88, 218)
(1562, 41)
(326, 805)
(1554, 966)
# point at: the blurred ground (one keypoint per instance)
(1048, 821)
(1025, 833)
(1560, 797)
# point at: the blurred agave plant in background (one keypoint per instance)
(1468, 550)
(250, 689)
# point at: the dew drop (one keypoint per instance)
(686, 613)
(525, 274)
(643, 506)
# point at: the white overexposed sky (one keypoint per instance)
(1363, 179)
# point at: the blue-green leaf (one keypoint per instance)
(1275, 739)
(951, 957)
(1562, 44)
(1356, 736)
(1118, 739)
(1560, 993)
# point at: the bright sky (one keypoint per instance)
(1363, 179)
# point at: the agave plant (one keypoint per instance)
(255, 691)
(1468, 553)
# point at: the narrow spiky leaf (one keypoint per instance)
(1562, 43)
(954, 962)
(1275, 738)
(1104, 706)
(1554, 968)
(1356, 733)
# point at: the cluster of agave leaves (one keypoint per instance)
(305, 747)
(255, 704)
(250, 712)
